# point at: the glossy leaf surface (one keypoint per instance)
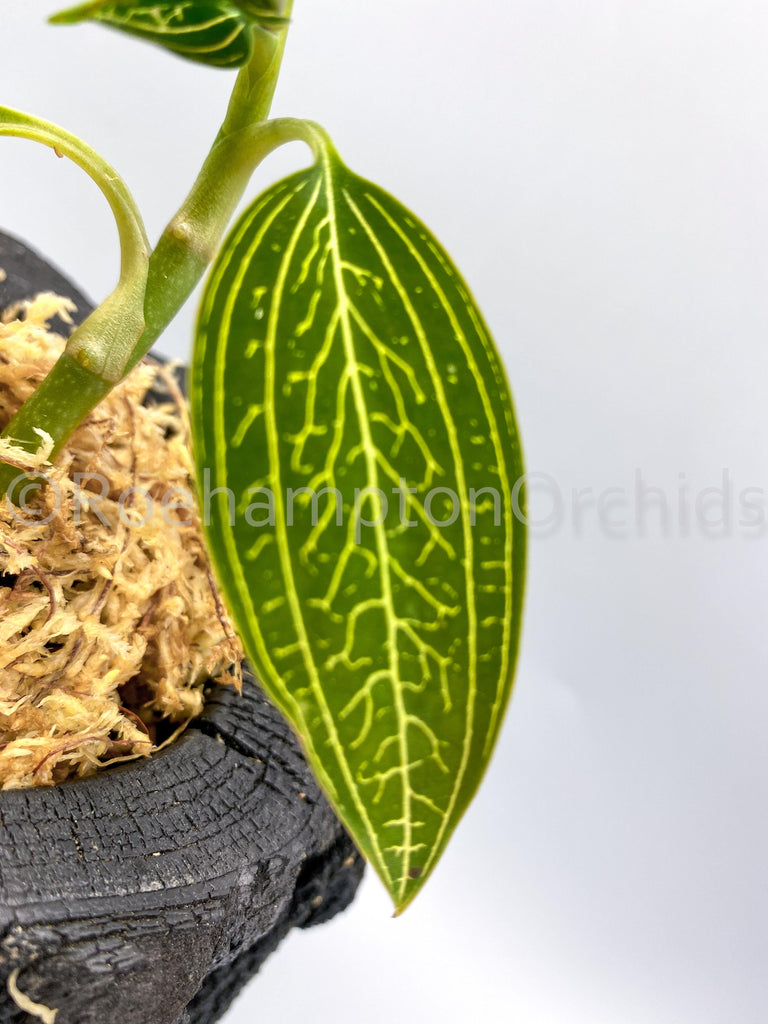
(214, 32)
(341, 363)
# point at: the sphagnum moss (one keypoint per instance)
(109, 621)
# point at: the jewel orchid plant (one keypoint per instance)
(353, 431)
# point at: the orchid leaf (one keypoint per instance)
(214, 32)
(361, 475)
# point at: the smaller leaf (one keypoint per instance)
(218, 33)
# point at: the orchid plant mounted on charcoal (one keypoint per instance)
(353, 428)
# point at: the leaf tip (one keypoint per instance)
(403, 895)
(72, 15)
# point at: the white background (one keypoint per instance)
(599, 169)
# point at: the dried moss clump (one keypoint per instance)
(109, 620)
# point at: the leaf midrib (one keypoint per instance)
(461, 484)
(382, 544)
(284, 549)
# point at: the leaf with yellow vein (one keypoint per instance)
(214, 32)
(361, 473)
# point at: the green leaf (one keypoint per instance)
(339, 348)
(214, 32)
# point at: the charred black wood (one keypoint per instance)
(150, 893)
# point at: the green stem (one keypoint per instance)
(112, 331)
(192, 238)
(84, 375)
(134, 247)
